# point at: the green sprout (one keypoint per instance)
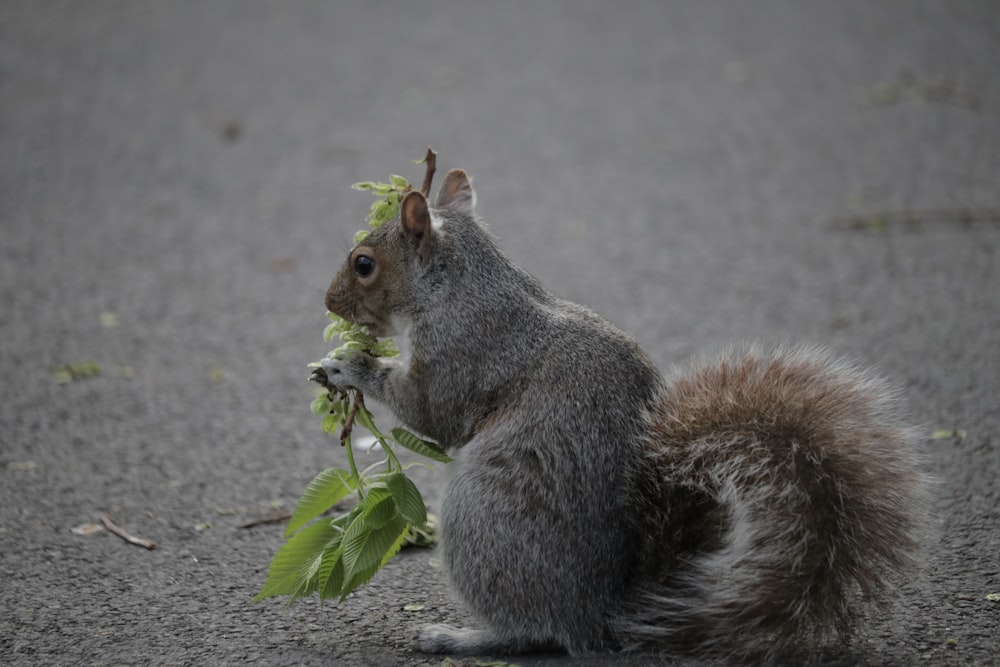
(332, 556)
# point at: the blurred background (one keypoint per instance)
(174, 199)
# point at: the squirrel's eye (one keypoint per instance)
(364, 265)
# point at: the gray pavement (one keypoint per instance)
(174, 198)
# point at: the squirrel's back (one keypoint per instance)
(784, 485)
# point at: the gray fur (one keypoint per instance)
(587, 508)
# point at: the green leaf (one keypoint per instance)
(306, 580)
(330, 577)
(407, 497)
(353, 345)
(394, 547)
(399, 182)
(385, 348)
(338, 324)
(321, 404)
(378, 507)
(296, 553)
(359, 335)
(368, 550)
(334, 408)
(945, 434)
(331, 573)
(380, 212)
(365, 185)
(423, 447)
(322, 493)
(377, 510)
(361, 236)
(330, 423)
(363, 417)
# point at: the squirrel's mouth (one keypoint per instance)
(377, 326)
(348, 312)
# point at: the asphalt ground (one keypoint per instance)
(174, 198)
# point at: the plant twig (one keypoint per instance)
(431, 161)
(276, 516)
(125, 535)
(345, 432)
(345, 439)
(359, 400)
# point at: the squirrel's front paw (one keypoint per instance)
(347, 370)
(319, 376)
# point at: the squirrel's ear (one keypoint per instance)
(416, 220)
(456, 193)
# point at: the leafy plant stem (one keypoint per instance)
(328, 557)
(368, 422)
(394, 463)
(345, 442)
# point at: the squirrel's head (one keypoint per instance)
(378, 285)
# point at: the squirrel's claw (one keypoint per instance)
(319, 376)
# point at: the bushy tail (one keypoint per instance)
(787, 482)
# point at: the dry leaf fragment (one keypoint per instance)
(76, 371)
(946, 434)
(85, 529)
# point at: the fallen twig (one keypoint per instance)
(277, 516)
(882, 219)
(125, 535)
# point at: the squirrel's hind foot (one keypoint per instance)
(441, 638)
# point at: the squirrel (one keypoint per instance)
(749, 508)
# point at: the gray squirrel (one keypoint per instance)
(750, 508)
